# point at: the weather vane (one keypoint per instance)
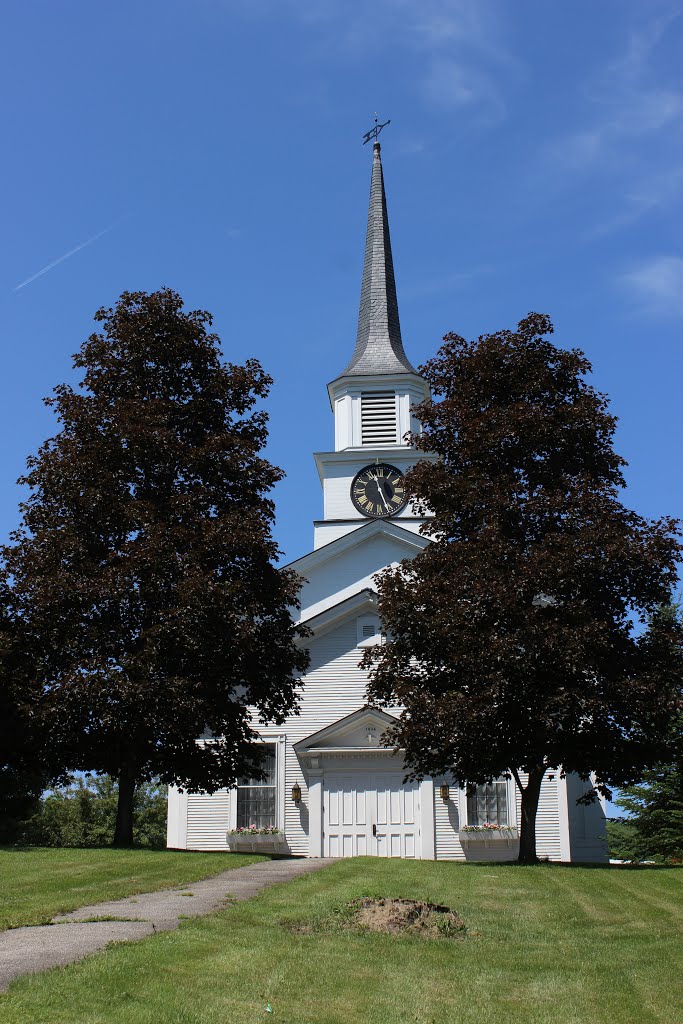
(374, 132)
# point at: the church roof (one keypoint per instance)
(379, 347)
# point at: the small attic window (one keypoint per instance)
(379, 422)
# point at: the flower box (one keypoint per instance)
(248, 839)
(488, 836)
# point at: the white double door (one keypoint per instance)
(370, 814)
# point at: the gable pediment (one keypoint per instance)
(357, 732)
(346, 566)
(412, 542)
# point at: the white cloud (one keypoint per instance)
(410, 147)
(458, 45)
(451, 85)
(656, 192)
(657, 285)
(444, 283)
(625, 106)
(641, 44)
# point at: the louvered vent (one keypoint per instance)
(368, 631)
(378, 418)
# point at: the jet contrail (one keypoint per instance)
(71, 252)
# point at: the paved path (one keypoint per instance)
(72, 936)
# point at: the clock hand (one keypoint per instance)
(381, 492)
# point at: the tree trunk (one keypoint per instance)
(123, 833)
(527, 836)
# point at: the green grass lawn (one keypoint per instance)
(548, 945)
(36, 884)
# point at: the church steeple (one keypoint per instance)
(374, 396)
(379, 347)
(374, 399)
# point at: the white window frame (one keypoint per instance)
(278, 739)
(509, 796)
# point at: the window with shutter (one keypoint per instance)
(378, 418)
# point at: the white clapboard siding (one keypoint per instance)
(208, 818)
(296, 818)
(547, 817)
(333, 686)
(446, 823)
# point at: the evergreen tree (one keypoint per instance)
(143, 572)
(621, 839)
(512, 643)
(656, 802)
(656, 812)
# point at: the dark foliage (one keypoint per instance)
(143, 573)
(26, 768)
(513, 644)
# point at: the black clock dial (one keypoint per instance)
(379, 491)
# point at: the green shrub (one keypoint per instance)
(84, 814)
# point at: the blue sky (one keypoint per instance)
(534, 162)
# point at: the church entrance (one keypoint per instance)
(370, 814)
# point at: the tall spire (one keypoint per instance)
(379, 348)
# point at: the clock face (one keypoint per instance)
(379, 491)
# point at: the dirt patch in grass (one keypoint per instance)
(407, 917)
(389, 917)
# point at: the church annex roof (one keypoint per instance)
(379, 347)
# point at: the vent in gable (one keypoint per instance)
(378, 418)
(369, 631)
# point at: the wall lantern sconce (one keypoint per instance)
(444, 792)
(296, 793)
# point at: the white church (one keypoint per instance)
(332, 789)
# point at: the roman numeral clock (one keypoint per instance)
(379, 491)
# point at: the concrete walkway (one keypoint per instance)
(72, 936)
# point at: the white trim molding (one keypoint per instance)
(176, 827)
(427, 829)
(279, 739)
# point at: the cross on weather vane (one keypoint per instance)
(374, 132)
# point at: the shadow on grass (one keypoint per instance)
(562, 866)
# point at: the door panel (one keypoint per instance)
(397, 828)
(370, 813)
